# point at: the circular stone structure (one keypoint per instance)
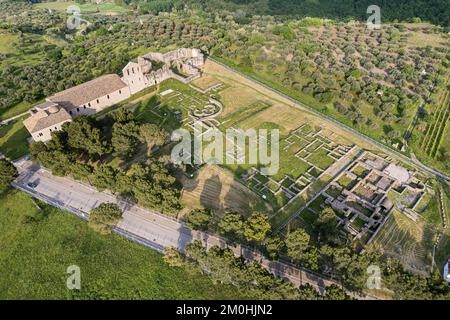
(210, 111)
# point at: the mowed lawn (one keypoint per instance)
(37, 246)
(13, 139)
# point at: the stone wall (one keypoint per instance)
(46, 133)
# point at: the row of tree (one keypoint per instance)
(326, 255)
(81, 148)
(8, 173)
(223, 267)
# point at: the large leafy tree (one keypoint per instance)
(297, 243)
(81, 171)
(36, 149)
(104, 217)
(195, 251)
(104, 177)
(122, 115)
(172, 257)
(152, 135)
(83, 135)
(154, 187)
(257, 227)
(326, 224)
(231, 225)
(274, 245)
(8, 173)
(308, 292)
(198, 219)
(125, 139)
(57, 161)
(335, 292)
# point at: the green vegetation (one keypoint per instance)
(297, 243)
(13, 139)
(433, 136)
(224, 267)
(257, 227)
(321, 159)
(104, 217)
(231, 225)
(8, 173)
(152, 135)
(86, 8)
(38, 245)
(77, 149)
(431, 131)
(199, 219)
(242, 10)
(373, 81)
(329, 65)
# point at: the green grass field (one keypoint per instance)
(7, 41)
(85, 8)
(37, 246)
(13, 139)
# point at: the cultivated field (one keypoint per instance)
(410, 242)
(435, 134)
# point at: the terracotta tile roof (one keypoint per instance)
(88, 91)
(46, 117)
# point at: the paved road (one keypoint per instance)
(141, 225)
(368, 139)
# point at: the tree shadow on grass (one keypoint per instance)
(13, 141)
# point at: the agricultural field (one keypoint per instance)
(21, 50)
(38, 245)
(409, 241)
(430, 138)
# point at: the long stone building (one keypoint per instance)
(84, 99)
(93, 96)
